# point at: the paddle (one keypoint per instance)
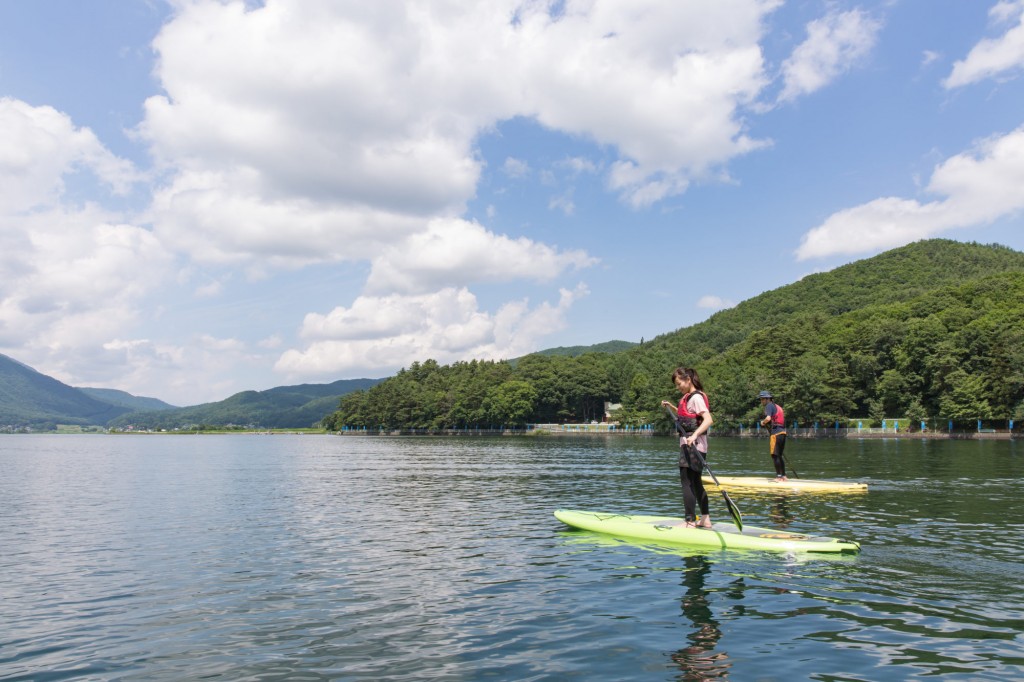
(734, 511)
(790, 465)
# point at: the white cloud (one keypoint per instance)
(389, 332)
(978, 187)
(578, 165)
(291, 134)
(563, 203)
(993, 56)
(218, 219)
(834, 45)
(454, 253)
(74, 279)
(71, 277)
(714, 302)
(39, 147)
(292, 129)
(186, 374)
(516, 168)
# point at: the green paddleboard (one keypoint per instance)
(721, 535)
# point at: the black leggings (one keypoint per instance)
(778, 444)
(693, 492)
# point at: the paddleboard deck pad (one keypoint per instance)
(721, 535)
(790, 485)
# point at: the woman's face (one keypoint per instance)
(683, 384)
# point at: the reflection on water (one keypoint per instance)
(779, 512)
(699, 660)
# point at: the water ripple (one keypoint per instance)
(325, 558)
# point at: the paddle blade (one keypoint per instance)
(734, 511)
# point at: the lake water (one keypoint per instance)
(373, 558)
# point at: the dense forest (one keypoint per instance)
(931, 331)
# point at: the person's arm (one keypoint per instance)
(705, 424)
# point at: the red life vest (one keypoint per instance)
(691, 420)
(779, 418)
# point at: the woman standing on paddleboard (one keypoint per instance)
(694, 416)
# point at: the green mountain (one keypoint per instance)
(933, 330)
(574, 351)
(883, 336)
(892, 277)
(298, 406)
(123, 399)
(31, 399)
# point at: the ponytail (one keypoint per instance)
(688, 373)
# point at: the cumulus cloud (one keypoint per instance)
(187, 373)
(385, 333)
(993, 56)
(978, 187)
(71, 277)
(292, 134)
(834, 45)
(39, 147)
(74, 278)
(291, 130)
(455, 252)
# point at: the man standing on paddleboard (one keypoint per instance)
(775, 421)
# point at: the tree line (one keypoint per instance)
(934, 330)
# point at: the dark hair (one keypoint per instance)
(688, 373)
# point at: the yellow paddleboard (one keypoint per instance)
(791, 485)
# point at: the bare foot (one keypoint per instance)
(704, 522)
(689, 524)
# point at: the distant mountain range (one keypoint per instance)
(122, 399)
(575, 351)
(284, 407)
(30, 400)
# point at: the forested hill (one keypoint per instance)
(934, 329)
(573, 351)
(891, 277)
(124, 399)
(28, 397)
(298, 406)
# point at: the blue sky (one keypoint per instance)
(199, 197)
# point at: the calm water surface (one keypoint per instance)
(347, 558)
